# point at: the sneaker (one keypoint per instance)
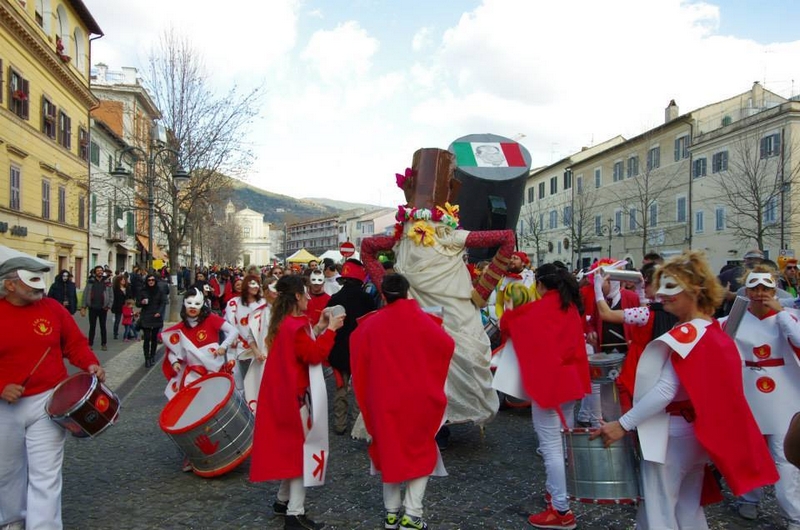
(416, 523)
(300, 522)
(748, 510)
(550, 518)
(104, 347)
(280, 507)
(392, 521)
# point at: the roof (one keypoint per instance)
(86, 17)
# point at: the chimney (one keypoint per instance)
(757, 95)
(102, 70)
(671, 112)
(129, 75)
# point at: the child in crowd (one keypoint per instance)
(128, 320)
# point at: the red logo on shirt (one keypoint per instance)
(765, 384)
(244, 321)
(763, 351)
(42, 326)
(685, 334)
(174, 338)
(202, 335)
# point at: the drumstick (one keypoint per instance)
(25, 382)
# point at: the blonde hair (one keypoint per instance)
(763, 268)
(693, 273)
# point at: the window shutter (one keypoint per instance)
(26, 103)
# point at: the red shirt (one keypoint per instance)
(36, 327)
(315, 307)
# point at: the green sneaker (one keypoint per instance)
(392, 521)
(415, 523)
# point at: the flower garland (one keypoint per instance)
(421, 231)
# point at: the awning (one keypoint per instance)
(301, 256)
(128, 249)
(157, 252)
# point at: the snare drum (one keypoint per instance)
(493, 332)
(601, 475)
(83, 405)
(605, 367)
(211, 423)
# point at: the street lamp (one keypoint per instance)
(610, 230)
(180, 178)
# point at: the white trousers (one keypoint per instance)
(787, 489)
(672, 491)
(294, 491)
(547, 425)
(415, 492)
(31, 455)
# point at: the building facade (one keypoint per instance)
(44, 129)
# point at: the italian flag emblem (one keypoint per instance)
(488, 154)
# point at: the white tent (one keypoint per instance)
(336, 256)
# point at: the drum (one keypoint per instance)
(493, 332)
(211, 423)
(83, 405)
(598, 474)
(604, 367)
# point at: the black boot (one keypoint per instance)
(146, 360)
(301, 522)
(153, 359)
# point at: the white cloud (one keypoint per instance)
(341, 53)
(422, 39)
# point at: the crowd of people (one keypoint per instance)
(690, 375)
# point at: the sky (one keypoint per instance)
(353, 88)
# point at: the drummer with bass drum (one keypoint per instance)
(31, 366)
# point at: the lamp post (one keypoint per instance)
(179, 177)
(610, 229)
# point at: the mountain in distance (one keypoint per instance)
(341, 205)
(277, 209)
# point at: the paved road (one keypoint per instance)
(129, 477)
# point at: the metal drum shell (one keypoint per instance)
(230, 424)
(90, 408)
(601, 475)
(605, 367)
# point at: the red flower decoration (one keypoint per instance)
(402, 179)
(398, 231)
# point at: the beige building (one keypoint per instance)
(624, 198)
(256, 238)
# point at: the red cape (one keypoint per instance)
(551, 350)
(315, 306)
(724, 425)
(278, 437)
(395, 340)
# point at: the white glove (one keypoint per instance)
(598, 287)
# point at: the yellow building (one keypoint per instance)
(44, 129)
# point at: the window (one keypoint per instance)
(699, 222)
(45, 199)
(680, 214)
(130, 224)
(64, 130)
(770, 145)
(654, 158)
(719, 162)
(699, 168)
(83, 143)
(618, 219)
(62, 204)
(567, 179)
(110, 164)
(553, 185)
(48, 118)
(770, 211)
(82, 211)
(18, 94)
(1, 80)
(541, 190)
(682, 147)
(14, 199)
(632, 219)
(567, 216)
(598, 178)
(553, 219)
(94, 153)
(598, 225)
(579, 184)
(531, 194)
(246, 232)
(652, 217)
(541, 221)
(617, 171)
(633, 166)
(719, 218)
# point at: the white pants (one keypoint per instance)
(294, 491)
(31, 455)
(787, 489)
(547, 425)
(672, 491)
(415, 492)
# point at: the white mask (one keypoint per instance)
(253, 284)
(760, 278)
(194, 302)
(669, 286)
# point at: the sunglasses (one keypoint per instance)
(792, 267)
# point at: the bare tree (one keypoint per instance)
(204, 127)
(753, 184)
(531, 217)
(224, 242)
(581, 221)
(643, 185)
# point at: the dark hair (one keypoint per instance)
(556, 277)
(246, 296)
(288, 286)
(654, 257)
(648, 271)
(394, 287)
(204, 311)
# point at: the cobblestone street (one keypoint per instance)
(130, 477)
